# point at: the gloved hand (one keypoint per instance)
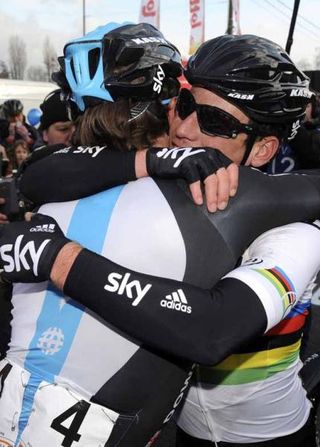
(29, 249)
(191, 164)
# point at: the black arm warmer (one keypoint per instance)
(75, 172)
(209, 327)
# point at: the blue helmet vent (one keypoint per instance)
(84, 65)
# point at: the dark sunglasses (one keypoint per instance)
(212, 120)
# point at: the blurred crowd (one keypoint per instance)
(19, 138)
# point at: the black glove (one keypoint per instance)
(191, 164)
(29, 249)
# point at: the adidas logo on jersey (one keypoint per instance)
(43, 228)
(176, 301)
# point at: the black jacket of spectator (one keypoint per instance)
(306, 146)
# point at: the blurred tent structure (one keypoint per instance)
(30, 93)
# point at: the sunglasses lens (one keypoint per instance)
(212, 121)
(185, 104)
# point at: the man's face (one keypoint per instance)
(187, 133)
(59, 132)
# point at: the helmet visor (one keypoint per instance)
(212, 120)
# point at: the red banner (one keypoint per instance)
(196, 8)
(150, 12)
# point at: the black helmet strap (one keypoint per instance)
(249, 145)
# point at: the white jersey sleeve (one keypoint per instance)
(280, 266)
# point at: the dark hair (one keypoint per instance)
(111, 124)
(281, 131)
(13, 151)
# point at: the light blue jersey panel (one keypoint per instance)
(59, 319)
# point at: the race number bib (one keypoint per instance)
(58, 417)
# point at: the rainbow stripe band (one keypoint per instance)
(282, 283)
(251, 367)
(279, 279)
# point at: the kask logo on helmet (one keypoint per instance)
(241, 96)
(142, 40)
(301, 92)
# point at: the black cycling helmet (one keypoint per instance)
(255, 74)
(120, 60)
(141, 63)
(12, 107)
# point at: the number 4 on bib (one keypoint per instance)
(79, 410)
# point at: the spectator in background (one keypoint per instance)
(19, 137)
(55, 124)
(312, 118)
(20, 152)
(3, 172)
(4, 129)
(302, 151)
(4, 163)
(18, 128)
(306, 144)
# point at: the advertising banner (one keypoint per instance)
(150, 12)
(196, 8)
